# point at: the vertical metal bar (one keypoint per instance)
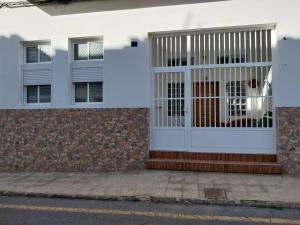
(204, 91)
(180, 111)
(215, 98)
(199, 99)
(220, 97)
(157, 52)
(219, 48)
(251, 97)
(245, 47)
(235, 97)
(199, 49)
(204, 80)
(214, 82)
(224, 62)
(194, 52)
(157, 97)
(162, 107)
(175, 100)
(255, 44)
(240, 46)
(229, 48)
(188, 88)
(234, 47)
(261, 47)
(209, 86)
(162, 51)
(267, 51)
(263, 83)
(209, 49)
(175, 52)
(241, 99)
(171, 51)
(180, 49)
(170, 77)
(214, 46)
(167, 52)
(177, 96)
(267, 95)
(230, 97)
(204, 49)
(256, 97)
(250, 45)
(173, 89)
(225, 97)
(246, 99)
(194, 98)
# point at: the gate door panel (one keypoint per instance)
(169, 131)
(212, 91)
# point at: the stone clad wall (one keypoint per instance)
(94, 140)
(288, 139)
(90, 140)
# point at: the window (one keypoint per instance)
(88, 50)
(176, 102)
(236, 90)
(38, 94)
(231, 59)
(88, 92)
(38, 53)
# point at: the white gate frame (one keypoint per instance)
(187, 82)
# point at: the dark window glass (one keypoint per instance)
(32, 54)
(80, 92)
(32, 94)
(96, 92)
(45, 94)
(80, 52)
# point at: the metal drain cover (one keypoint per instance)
(215, 193)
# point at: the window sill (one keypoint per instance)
(88, 105)
(88, 60)
(38, 63)
(38, 105)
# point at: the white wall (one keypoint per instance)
(126, 70)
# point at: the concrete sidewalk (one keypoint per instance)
(166, 186)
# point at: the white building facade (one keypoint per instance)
(215, 77)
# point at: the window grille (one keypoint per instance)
(88, 50)
(236, 90)
(175, 92)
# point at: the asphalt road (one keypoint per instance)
(50, 211)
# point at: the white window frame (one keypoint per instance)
(86, 41)
(38, 96)
(87, 103)
(38, 45)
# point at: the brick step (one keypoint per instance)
(215, 166)
(212, 156)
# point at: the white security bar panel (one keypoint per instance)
(169, 99)
(229, 83)
(232, 97)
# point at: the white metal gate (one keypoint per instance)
(212, 91)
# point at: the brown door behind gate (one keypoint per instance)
(209, 108)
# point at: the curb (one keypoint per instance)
(156, 199)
